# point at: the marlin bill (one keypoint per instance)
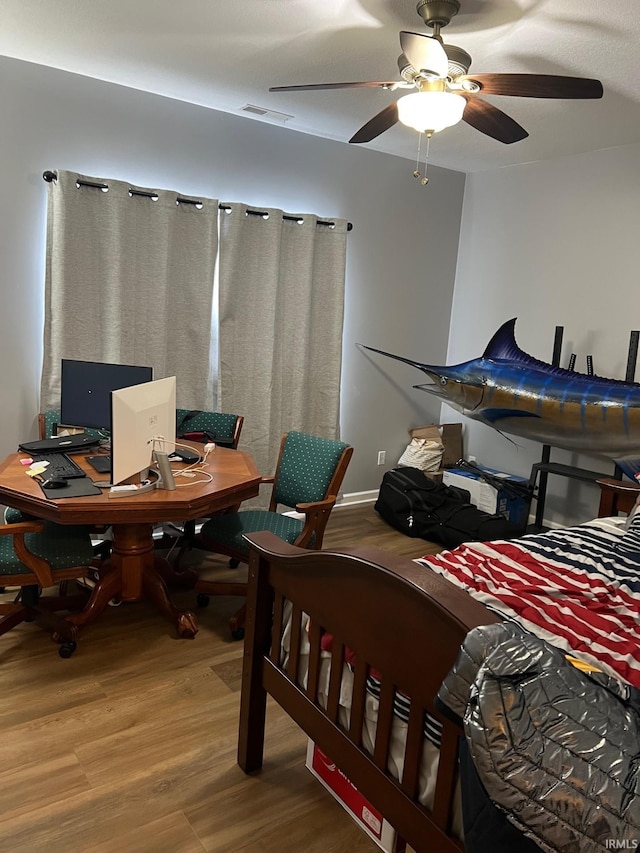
(514, 393)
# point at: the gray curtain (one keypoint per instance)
(281, 305)
(129, 279)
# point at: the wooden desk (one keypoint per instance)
(134, 570)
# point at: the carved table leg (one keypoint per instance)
(181, 579)
(134, 572)
(107, 587)
(155, 589)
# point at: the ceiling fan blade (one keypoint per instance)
(306, 88)
(425, 53)
(535, 85)
(493, 122)
(385, 119)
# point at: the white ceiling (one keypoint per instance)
(225, 54)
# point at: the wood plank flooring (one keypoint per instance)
(130, 744)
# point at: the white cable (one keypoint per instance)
(195, 482)
(195, 467)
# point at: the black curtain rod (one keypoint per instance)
(51, 176)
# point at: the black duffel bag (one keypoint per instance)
(418, 506)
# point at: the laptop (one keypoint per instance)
(60, 444)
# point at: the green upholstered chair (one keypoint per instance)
(308, 477)
(37, 555)
(219, 427)
(48, 423)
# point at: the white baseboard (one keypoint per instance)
(353, 498)
(344, 501)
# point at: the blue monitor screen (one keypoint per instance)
(86, 386)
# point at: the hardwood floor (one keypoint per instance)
(130, 744)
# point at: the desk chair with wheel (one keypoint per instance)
(34, 556)
(217, 427)
(48, 424)
(308, 477)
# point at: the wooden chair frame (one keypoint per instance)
(29, 605)
(316, 515)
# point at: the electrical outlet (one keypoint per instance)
(382, 455)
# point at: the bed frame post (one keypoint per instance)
(253, 703)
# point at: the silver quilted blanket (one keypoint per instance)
(557, 749)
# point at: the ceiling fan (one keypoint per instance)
(446, 93)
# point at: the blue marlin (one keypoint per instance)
(515, 393)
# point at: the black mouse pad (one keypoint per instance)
(78, 488)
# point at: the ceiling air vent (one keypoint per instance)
(265, 113)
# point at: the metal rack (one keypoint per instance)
(540, 470)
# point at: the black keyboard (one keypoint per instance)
(60, 466)
(101, 463)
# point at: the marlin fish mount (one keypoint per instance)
(512, 392)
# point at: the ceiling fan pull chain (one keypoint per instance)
(416, 173)
(425, 180)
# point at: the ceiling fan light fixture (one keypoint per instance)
(430, 111)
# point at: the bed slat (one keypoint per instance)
(333, 699)
(294, 644)
(447, 778)
(383, 728)
(358, 699)
(315, 638)
(413, 750)
(276, 631)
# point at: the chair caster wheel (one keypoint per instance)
(67, 649)
(203, 600)
(238, 634)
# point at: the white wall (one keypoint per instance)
(553, 244)
(401, 253)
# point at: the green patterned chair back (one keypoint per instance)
(221, 426)
(225, 427)
(62, 545)
(306, 469)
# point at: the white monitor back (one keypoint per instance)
(143, 419)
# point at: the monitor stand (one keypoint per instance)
(150, 479)
(164, 467)
(148, 483)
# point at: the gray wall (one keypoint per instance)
(553, 244)
(401, 257)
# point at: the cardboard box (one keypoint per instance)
(346, 793)
(489, 498)
(451, 436)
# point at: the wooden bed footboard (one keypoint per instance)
(394, 620)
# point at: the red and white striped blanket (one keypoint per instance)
(571, 587)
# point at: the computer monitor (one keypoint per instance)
(143, 422)
(86, 386)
